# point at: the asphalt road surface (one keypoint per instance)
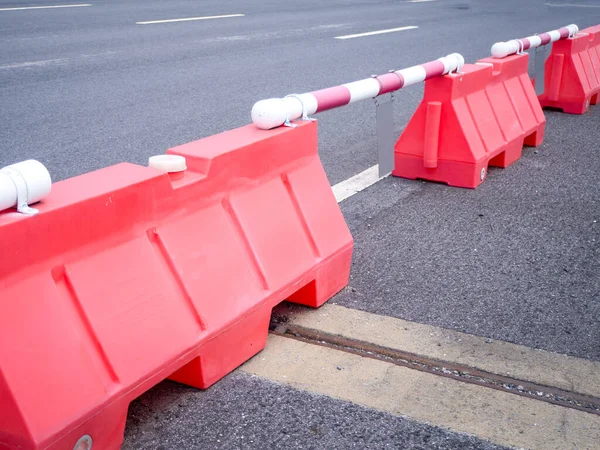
(517, 259)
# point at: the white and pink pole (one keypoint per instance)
(503, 49)
(274, 112)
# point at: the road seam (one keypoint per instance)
(441, 368)
(491, 414)
(511, 361)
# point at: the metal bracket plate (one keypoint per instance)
(540, 56)
(384, 109)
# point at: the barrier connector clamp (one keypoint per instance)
(22, 192)
(304, 114)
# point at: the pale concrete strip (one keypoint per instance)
(500, 417)
(572, 374)
(356, 183)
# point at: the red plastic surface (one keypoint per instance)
(487, 114)
(594, 52)
(572, 73)
(129, 276)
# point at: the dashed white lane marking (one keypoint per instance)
(45, 7)
(357, 183)
(572, 4)
(28, 64)
(420, 1)
(188, 19)
(371, 33)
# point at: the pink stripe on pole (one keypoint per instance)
(526, 44)
(545, 37)
(390, 82)
(331, 98)
(433, 69)
(564, 33)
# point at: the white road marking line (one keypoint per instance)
(28, 64)
(371, 33)
(571, 4)
(420, 1)
(357, 183)
(187, 19)
(45, 7)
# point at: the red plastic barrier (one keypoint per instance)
(129, 276)
(468, 121)
(594, 52)
(572, 73)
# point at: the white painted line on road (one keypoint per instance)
(28, 64)
(571, 4)
(420, 1)
(187, 19)
(357, 183)
(45, 7)
(371, 33)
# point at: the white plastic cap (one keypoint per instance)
(501, 49)
(573, 29)
(456, 60)
(168, 163)
(269, 113)
(30, 177)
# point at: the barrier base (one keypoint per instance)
(243, 340)
(572, 73)
(576, 107)
(248, 336)
(329, 279)
(463, 174)
(469, 121)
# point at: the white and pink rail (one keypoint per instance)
(274, 112)
(504, 49)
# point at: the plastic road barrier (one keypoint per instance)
(129, 275)
(467, 122)
(572, 73)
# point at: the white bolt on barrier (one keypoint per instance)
(504, 49)
(274, 112)
(84, 443)
(23, 184)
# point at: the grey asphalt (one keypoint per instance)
(517, 259)
(83, 88)
(246, 412)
